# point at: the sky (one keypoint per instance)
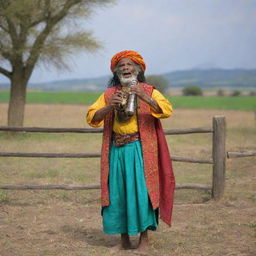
(170, 35)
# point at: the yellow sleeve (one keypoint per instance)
(98, 104)
(163, 103)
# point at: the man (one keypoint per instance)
(136, 172)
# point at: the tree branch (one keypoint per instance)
(39, 42)
(12, 31)
(45, 14)
(3, 28)
(5, 54)
(5, 72)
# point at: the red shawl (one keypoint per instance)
(157, 162)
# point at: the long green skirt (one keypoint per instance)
(130, 210)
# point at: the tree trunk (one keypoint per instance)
(17, 100)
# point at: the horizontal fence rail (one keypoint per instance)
(241, 154)
(93, 155)
(218, 156)
(87, 187)
(96, 130)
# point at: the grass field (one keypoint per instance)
(68, 223)
(236, 103)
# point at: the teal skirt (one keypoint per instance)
(130, 210)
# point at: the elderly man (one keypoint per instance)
(136, 172)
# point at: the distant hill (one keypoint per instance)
(87, 84)
(216, 78)
(205, 78)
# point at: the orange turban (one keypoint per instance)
(134, 56)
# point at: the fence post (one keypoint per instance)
(218, 156)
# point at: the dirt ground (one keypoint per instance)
(68, 223)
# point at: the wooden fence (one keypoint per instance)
(218, 159)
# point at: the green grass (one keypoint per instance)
(196, 102)
(56, 97)
(192, 102)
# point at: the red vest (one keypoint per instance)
(149, 128)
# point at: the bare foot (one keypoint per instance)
(119, 247)
(125, 244)
(143, 246)
(143, 249)
(115, 249)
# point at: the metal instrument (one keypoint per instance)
(132, 101)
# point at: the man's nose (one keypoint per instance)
(126, 67)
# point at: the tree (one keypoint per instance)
(39, 30)
(236, 93)
(220, 93)
(159, 82)
(192, 91)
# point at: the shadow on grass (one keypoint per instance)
(91, 236)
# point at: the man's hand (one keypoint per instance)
(116, 100)
(138, 90)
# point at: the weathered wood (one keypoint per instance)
(194, 186)
(241, 154)
(218, 156)
(87, 187)
(92, 155)
(49, 187)
(191, 160)
(50, 155)
(50, 130)
(96, 130)
(189, 130)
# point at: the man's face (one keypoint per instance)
(126, 70)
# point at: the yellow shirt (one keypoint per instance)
(131, 125)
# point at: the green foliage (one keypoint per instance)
(220, 92)
(32, 30)
(236, 93)
(4, 198)
(40, 30)
(192, 91)
(159, 82)
(252, 224)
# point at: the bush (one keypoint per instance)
(236, 93)
(159, 82)
(192, 91)
(220, 93)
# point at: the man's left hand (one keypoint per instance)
(138, 90)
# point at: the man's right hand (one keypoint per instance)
(116, 100)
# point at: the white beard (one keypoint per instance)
(127, 81)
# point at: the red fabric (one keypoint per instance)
(106, 140)
(157, 163)
(166, 176)
(148, 137)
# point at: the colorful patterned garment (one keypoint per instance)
(157, 167)
(130, 211)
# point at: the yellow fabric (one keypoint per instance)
(131, 125)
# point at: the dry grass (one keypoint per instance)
(68, 223)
